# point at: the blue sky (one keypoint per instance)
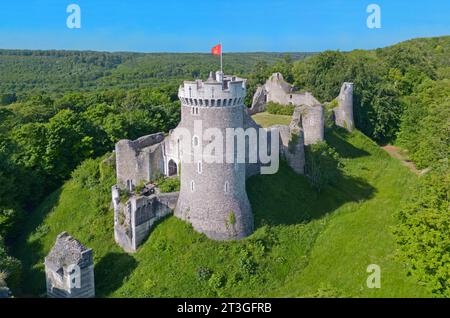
(196, 25)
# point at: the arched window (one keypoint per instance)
(172, 167)
(213, 102)
(226, 186)
(192, 186)
(199, 167)
(206, 102)
(224, 102)
(230, 101)
(219, 102)
(200, 102)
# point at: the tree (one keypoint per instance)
(322, 164)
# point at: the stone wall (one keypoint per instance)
(343, 114)
(139, 160)
(69, 269)
(259, 101)
(313, 123)
(134, 219)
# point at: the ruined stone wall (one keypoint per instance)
(251, 169)
(134, 219)
(292, 143)
(66, 253)
(139, 160)
(259, 101)
(343, 114)
(313, 123)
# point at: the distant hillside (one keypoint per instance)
(24, 71)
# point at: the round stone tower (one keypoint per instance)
(213, 197)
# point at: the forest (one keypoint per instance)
(59, 109)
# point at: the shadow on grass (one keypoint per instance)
(288, 198)
(336, 138)
(111, 271)
(30, 251)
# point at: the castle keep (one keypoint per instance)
(213, 197)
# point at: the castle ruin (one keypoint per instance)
(212, 195)
(69, 269)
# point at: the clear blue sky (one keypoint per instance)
(196, 25)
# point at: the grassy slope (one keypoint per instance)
(304, 241)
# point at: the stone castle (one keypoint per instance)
(212, 195)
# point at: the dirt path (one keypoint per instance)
(395, 152)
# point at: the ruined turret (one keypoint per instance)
(343, 113)
(69, 268)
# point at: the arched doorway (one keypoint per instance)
(173, 169)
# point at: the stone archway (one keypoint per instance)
(173, 168)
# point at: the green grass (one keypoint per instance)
(305, 243)
(265, 119)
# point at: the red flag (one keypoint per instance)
(217, 50)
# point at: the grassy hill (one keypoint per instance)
(305, 243)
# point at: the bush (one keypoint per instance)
(217, 281)
(423, 233)
(247, 262)
(166, 185)
(204, 273)
(9, 267)
(278, 109)
(322, 164)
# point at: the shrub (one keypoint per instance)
(168, 185)
(231, 218)
(247, 263)
(423, 233)
(278, 109)
(10, 267)
(204, 273)
(217, 281)
(322, 164)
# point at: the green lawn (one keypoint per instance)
(305, 243)
(265, 119)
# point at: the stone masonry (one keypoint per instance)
(69, 268)
(343, 114)
(212, 196)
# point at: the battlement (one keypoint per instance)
(218, 90)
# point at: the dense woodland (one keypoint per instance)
(61, 108)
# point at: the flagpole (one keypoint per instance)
(221, 65)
